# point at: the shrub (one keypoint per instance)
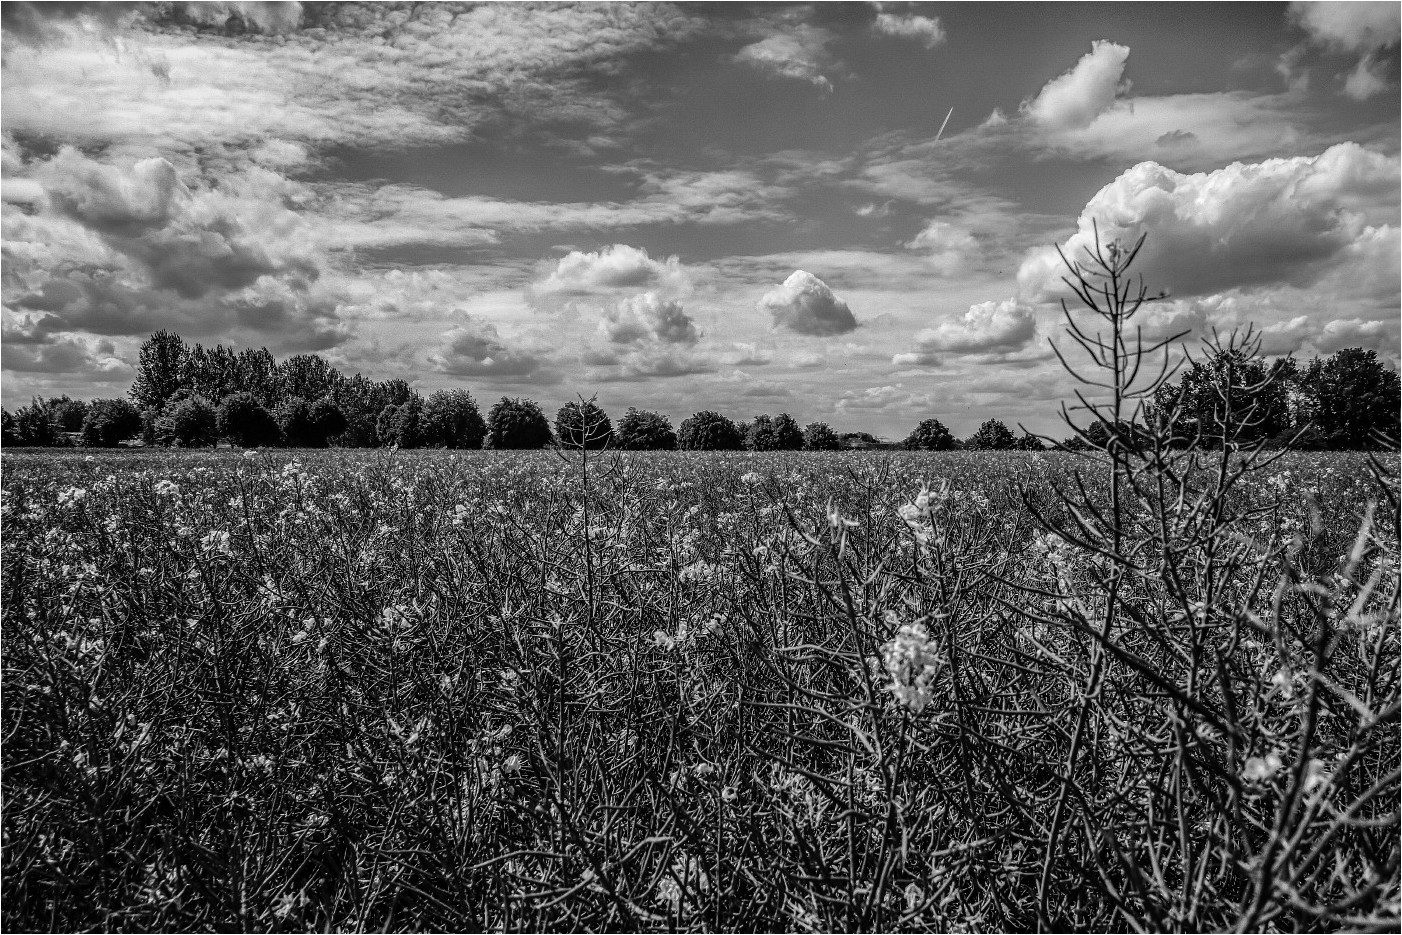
(819, 436)
(242, 420)
(930, 435)
(451, 419)
(583, 424)
(190, 423)
(517, 423)
(327, 421)
(709, 431)
(640, 430)
(993, 435)
(110, 422)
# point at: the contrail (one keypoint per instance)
(945, 124)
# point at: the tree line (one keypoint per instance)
(191, 396)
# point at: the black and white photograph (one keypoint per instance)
(700, 467)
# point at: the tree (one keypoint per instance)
(405, 427)
(159, 369)
(1354, 397)
(640, 430)
(760, 434)
(787, 435)
(582, 424)
(8, 435)
(67, 414)
(306, 375)
(327, 421)
(709, 431)
(384, 424)
(993, 435)
(244, 422)
(819, 436)
(930, 435)
(257, 374)
(294, 422)
(1029, 442)
(451, 419)
(110, 422)
(517, 423)
(1231, 395)
(190, 423)
(33, 427)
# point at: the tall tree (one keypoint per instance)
(517, 423)
(640, 430)
(159, 369)
(257, 375)
(1354, 398)
(787, 435)
(583, 424)
(306, 375)
(930, 435)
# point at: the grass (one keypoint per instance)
(287, 691)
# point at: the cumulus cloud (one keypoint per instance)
(1073, 100)
(799, 53)
(476, 349)
(1368, 30)
(927, 30)
(66, 354)
(648, 317)
(1281, 221)
(948, 247)
(612, 269)
(1367, 79)
(1356, 332)
(986, 328)
(877, 398)
(648, 362)
(804, 304)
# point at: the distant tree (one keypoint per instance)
(1230, 395)
(405, 427)
(327, 421)
(294, 422)
(242, 420)
(159, 369)
(709, 431)
(819, 436)
(993, 435)
(67, 414)
(306, 375)
(1029, 442)
(517, 423)
(451, 419)
(640, 430)
(384, 424)
(930, 435)
(787, 435)
(110, 422)
(211, 372)
(8, 435)
(760, 434)
(33, 427)
(190, 422)
(1355, 398)
(582, 424)
(257, 374)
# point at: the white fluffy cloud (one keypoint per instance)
(1369, 30)
(799, 53)
(476, 349)
(648, 317)
(927, 30)
(1073, 100)
(806, 305)
(614, 268)
(986, 328)
(948, 247)
(1356, 332)
(1275, 222)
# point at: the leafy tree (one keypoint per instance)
(294, 422)
(787, 435)
(930, 435)
(110, 422)
(760, 434)
(257, 374)
(1354, 397)
(327, 421)
(583, 424)
(1029, 442)
(819, 436)
(67, 414)
(211, 372)
(33, 427)
(8, 435)
(993, 435)
(244, 422)
(1231, 395)
(710, 431)
(517, 423)
(159, 369)
(384, 424)
(306, 375)
(404, 427)
(190, 422)
(451, 419)
(640, 430)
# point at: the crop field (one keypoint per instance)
(306, 690)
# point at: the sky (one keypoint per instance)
(848, 212)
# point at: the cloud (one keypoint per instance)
(68, 354)
(475, 349)
(948, 247)
(1368, 30)
(1367, 79)
(799, 53)
(649, 362)
(611, 269)
(1356, 332)
(1281, 221)
(876, 398)
(804, 304)
(1073, 100)
(927, 30)
(648, 317)
(986, 328)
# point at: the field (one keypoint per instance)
(422, 690)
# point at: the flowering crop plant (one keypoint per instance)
(1146, 687)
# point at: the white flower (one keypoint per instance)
(216, 541)
(1259, 769)
(167, 488)
(751, 478)
(913, 664)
